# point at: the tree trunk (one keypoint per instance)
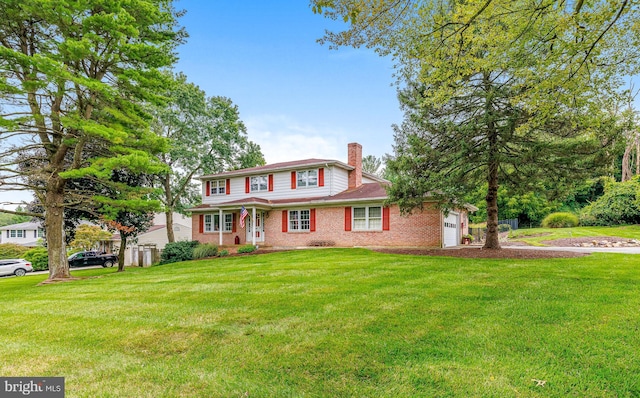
(493, 239)
(169, 208)
(637, 154)
(626, 167)
(121, 250)
(170, 236)
(54, 224)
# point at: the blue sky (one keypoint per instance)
(298, 99)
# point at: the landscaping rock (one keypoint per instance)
(601, 241)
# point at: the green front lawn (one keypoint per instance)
(333, 322)
(535, 236)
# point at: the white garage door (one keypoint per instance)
(451, 229)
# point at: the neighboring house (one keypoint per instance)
(28, 234)
(156, 236)
(315, 202)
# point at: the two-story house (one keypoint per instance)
(315, 202)
(29, 234)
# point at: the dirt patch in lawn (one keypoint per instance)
(478, 252)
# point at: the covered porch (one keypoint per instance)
(244, 219)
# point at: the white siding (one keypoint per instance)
(335, 181)
(158, 238)
(161, 219)
(340, 181)
(27, 238)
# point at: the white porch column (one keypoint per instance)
(253, 226)
(220, 226)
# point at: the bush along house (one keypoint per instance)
(315, 202)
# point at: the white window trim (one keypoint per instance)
(217, 187)
(367, 218)
(298, 221)
(306, 179)
(210, 226)
(258, 178)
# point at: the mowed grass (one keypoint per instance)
(333, 322)
(536, 236)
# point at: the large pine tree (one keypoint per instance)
(73, 79)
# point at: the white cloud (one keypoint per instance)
(283, 139)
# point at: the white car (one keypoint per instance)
(15, 266)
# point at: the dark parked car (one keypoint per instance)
(86, 258)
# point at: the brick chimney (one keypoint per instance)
(355, 160)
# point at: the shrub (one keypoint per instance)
(560, 220)
(11, 250)
(39, 258)
(246, 249)
(178, 251)
(205, 250)
(223, 253)
(504, 227)
(619, 205)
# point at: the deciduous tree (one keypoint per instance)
(89, 236)
(206, 136)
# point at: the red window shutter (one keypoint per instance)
(293, 180)
(233, 222)
(246, 185)
(321, 177)
(201, 223)
(285, 221)
(270, 182)
(347, 218)
(207, 190)
(227, 187)
(312, 220)
(385, 218)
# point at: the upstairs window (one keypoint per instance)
(259, 183)
(307, 178)
(367, 218)
(218, 187)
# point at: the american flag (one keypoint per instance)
(243, 213)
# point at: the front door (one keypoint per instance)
(259, 227)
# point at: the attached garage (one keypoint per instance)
(451, 228)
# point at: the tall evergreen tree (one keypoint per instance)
(73, 77)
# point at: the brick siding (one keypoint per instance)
(421, 229)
